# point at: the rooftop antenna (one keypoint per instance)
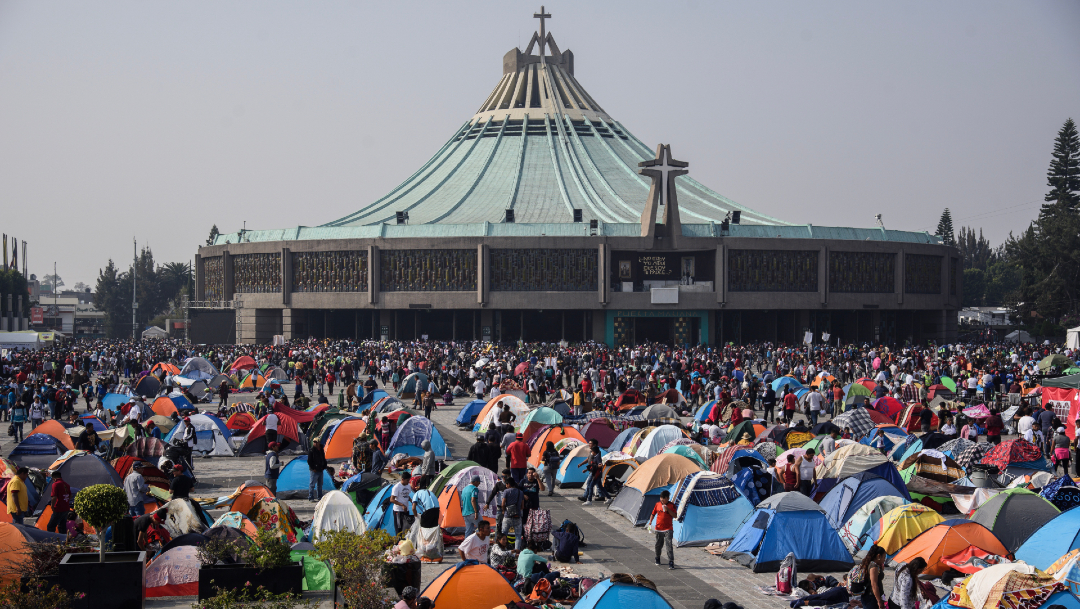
(879, 222)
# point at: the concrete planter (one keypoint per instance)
(279, 580)
(117, 583)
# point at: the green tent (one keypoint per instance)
(948, 382)
(686, 451)
(856, 392)
(814, 444)
(542, 416)
(1063, 382)
(736, 433)
(445, 475)
(317, 573)
(324, 421)
(1056, 359)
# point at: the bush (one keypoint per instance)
(44, 557)
(268, 552)
(217, 551)
(101, 505)
(257, 596)
(37, 596)
(357, 559)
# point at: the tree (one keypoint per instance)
(945, 228)
(107, 299)
(51, 281)
(977, 252)
(213, 235)
(1063, 176)
(81, 287)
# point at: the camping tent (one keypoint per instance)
(450, 518)
(622, 439)
(555, 435)
(211, 435)
(80, 469)
(1052, 540)
(379, 513)
(642, 489)
(852, 459)
(470, 585)
(856, 531)
(173, 573)
(537, 419)
(198, 369)
(932, 465)
(902, 524)
(1015, 514)
(655, 441)
(708, 509)
(845, 499)
(1018, 453)
(447, 473)
(571, 473)
(788, 523)
(336, 512)
(287, 432)
(15, 543)
(240, 422)
(147, 386)
(946, 539)
(294, 478)
(411, 434)
(417, 381)
(490, 414)
(55, 429)
(468, 412)
(611, 595)
(37, 450)
(339, 437)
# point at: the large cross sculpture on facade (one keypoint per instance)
(662, 195)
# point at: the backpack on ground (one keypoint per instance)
(568, 526)
(537, 528)
(566, 546)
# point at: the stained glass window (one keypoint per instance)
(922, 274)
(257, 273)
(543, 270)
(772, 271)
(862, 272)
(330, 271)
(213, 278)
(427, 270)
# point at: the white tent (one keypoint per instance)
(1020, 336)
(336, 512)
(658, 439)
(1072, 338)
(154, 332)
(20, 340)
(209, 438)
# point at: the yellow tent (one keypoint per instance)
(902, 524)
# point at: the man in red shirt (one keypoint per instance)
(60, 503)
(664, 511)
(790, 402)
(518, 455)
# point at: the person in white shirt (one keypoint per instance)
(475, 547)
(271, 423)
(479, 387)
(401, 497)
(815, 407)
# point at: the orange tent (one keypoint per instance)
(164, 406)
(14, 551)
(552, 434)
(247, 496)
(166, 366)
(240, 421)
(948, 538)
(339, 445)
(53, 428)
(510, 399)
(450, 509)
(469, 586)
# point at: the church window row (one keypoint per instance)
(543, 270)
(257, 273)
(330, 271)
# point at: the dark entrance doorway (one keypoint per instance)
(654, 329)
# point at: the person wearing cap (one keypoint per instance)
(518, 455)
(138, 492)
(273, 466)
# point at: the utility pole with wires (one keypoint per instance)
(134, 277)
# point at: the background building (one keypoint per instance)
(537, 222)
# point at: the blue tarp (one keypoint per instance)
(294, 478)
(470, 412)
(608, 595)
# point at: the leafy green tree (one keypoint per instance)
(977, 251)
(945, 228)
(1063, 176)
(52, 280)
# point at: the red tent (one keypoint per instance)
(889, 405)
(288, 434)
(629, 399)
(300, 416)
(240, 421)
(600, 430)
(868, 383)
(243, 362)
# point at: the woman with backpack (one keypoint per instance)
(867, 578)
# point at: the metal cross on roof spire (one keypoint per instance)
(543, 34)
(662, 169)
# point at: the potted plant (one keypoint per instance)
(265, 564)
(358, 564)
(43, 562)
(110, 579)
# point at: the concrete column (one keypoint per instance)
(483, 274)
(200, 279)
(227, 269)
(899, 279)
(287, 323)
(386, 318)
(720, 275)
(823, 274)
(487, 318)
(286, 276)
(601, 269)
(599, 325)
(373, 274)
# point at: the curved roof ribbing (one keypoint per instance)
(542, 146)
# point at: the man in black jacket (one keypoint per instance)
(316, 463)
(478, 452)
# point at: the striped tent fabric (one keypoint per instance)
(704, 489)
(858, 420)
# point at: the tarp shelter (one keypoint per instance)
(415, 382)
(555, 435)
(240, 422)
(902, 524)
(147, 386)
(845, 499)
(288, 435)
(655, 441)
(339, 440)
(611, 595)
(301, 416)
(211, 435)
(173, 573)
(470, 585)
(411, 434)
(294, 478)
(788, 523)
(37, 450)
(55, 429)
(571, 473)
(946, 539)
(932, 465)
(642, 489)
(708, 509)
(1015, 514)
(490, 414)
(855, 533)
(467, 414)
(450, 518)
(336, 512)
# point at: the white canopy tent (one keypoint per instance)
(20, 340)
(1072, 338)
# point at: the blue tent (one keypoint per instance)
(379, 513)
(1053, 540)
(294, 478)
(38, 444)
(703, 412)
(570, 474)
(886, 470)
(182, 403)
(113, 401)
(788, 523)
(620, 440)
(785, 380)
(372, 397)
(469, 412)
(610, 595)
(709, 508)
(412, 433)
(89, 420)
(851, 493)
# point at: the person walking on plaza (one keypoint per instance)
(664, 512)
(790, 402)
(273, 466)
(18, 504)
(595, 466)
(60, 503)
(470, 505)
(518, 455)
(552, 460)
(513, 504)
(316, 463)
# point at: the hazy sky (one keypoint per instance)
(156, 120)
